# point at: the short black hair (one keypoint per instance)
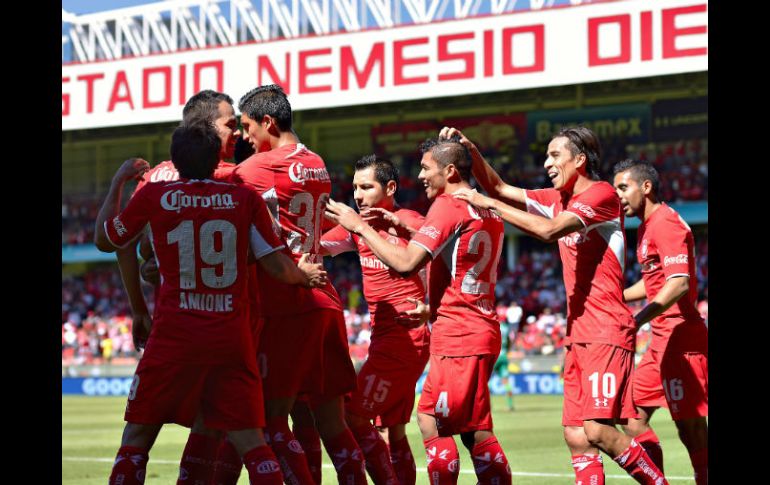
(446, 151)
(384, 170)
(583, 140)
(267, 100)
(195, 149)
(204, 106)
(641, 170)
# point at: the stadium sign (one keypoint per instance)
(586, 43)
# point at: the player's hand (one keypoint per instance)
(314, 272)
(474, 198)
(378, 213)
(149, 271)
(140, 329)
(449, 132)
(344, 216)
(132, 169)
(417, 316)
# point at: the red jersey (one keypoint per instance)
(201, 231)
(666, 249)
(385, 289)
(296, 186)
(593, 260)
(166, 172)
(465, 245)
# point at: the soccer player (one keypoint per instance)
(207, 105)
(303, 346)
(674, 370)
(584, 215)
(399, 342)
(464, 245)
(201, 351)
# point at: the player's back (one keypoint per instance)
(201, 232)
(462, 279)
(296, 185)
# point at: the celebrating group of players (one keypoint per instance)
(247, 329)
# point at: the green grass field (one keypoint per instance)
(531, 437)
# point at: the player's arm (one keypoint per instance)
(304, 273)
(375, 213)
(133, 168)
(674, 289)
(485, 174)
(635, 292)
(543, 228)
(403, 260)
(336, 241)
(128, 264)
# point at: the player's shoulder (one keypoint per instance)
(599, 193)
(666, 218)
(409, 214)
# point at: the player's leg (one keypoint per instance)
(489, 460)
(374, 448)
(694, 435)
(607, 391)
(303, 427)
(200, 454)
(259, 460)
(131, 460)
(338, 378)
(586, 458)
(648, 396)
(401, 454)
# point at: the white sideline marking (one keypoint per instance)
(328, 465)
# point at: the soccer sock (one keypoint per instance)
(289, 452)
(130, 466)
(490, 463)
(700, 465)
(227, 468)
(198, 457)
(651, 444)
(588, 469)
(347, 458)
(403, 462)
(311, 443)
(637, 463)
(443, 460)
(262, 466)
(376, 455)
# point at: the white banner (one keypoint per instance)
(561, 46)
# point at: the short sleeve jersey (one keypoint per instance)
(166, 172)
(465, 244)
(593, 260)
(295, 185)
(666, 249)
(201, 232)
(385, 289)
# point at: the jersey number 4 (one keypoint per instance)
(184, 236)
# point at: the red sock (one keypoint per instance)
(637, 463)
(490, 463)
(700, 465)
(311, 443)
(376, 455)
(588, 469)
(347, 459)
(651, 444)
(289, 452)
(262, 466)
(130, 466)
(443, 460)
(227, 468)
(198, 457)
(403, 462)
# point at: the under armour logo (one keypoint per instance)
(600, 402)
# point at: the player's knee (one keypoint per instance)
(575, 437)
(635, 427)
(140, 435)
(427, 425)
(468, 439)
(594, 433)
(693, 432)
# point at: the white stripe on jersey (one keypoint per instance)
(300, 147)
(152, 245)
(454, 257)
(535, 207)
(259, 246)
(613, 234)
(339, 247)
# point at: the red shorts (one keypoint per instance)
(456, 393)
(168, 392)
(685, 375)
(597, 383)
(306, 353)
(386, 387)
